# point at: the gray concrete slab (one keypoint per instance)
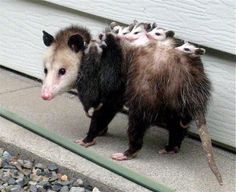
(185, 171)
(11, 82)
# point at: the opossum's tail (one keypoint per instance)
(207, 146)
(195, 96)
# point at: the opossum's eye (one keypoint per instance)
(116, 31)
(158, 34)
(136, 32)
(45, 71)
(125, 33)
(61, 71)
(187, 49)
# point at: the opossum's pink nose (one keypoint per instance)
(149, 36)
(46, 95)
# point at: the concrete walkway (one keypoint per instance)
(186, 171)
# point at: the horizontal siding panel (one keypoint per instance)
(210, 23)
(21, 48)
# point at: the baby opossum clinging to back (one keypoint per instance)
(157, 79)
(191, 49)
(163, 36)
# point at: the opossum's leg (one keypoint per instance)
(103, 132)
(176, 136)
(136, 131)
(99, 123)
(93, 109)
(207, 146)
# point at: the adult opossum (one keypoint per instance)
(157, 78)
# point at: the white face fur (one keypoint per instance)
(61, 71)
(137, 32)
(191, 49)
(96, 46)
(138, 35)
(121, 31)
(159, 34)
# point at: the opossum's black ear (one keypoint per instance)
(147, 26)
(170, 33)
(200, 51)
(47, 39)
(76, 43)
(113, 24)
(154, 25)
(131, 26)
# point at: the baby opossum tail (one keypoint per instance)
(207, 146)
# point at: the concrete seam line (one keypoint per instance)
(85, 153)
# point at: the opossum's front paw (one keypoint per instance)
(124, 156)
(85, 144)
(119, 157)
(168, 150)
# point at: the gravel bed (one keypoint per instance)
(19, 175)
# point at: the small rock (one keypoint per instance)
(64, 178)
(40, 188)
(47, 173)
(27, 164)
(9, 167)
(33, 188)
(77, 189)
(20, 182)
(44, 184)
(78, 183)
(11, 181)
(95, 189)
(68, 182)
(26, 172)
(88, 187)
(1, 151)
(40, 166)
(16, 188)
(53, 177)
(1, 163)
(56, 187)
(20, 161)
(52, 167)
(6, 155)
(64, 189)
(33, 183)
(26, 180)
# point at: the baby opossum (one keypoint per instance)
(163, 36)
(103, 83)
(191, 49)
(138, 35)
(120, 31)
(88, 80)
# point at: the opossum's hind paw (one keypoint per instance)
(119, 157)
(82, 143)
(169, 151)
